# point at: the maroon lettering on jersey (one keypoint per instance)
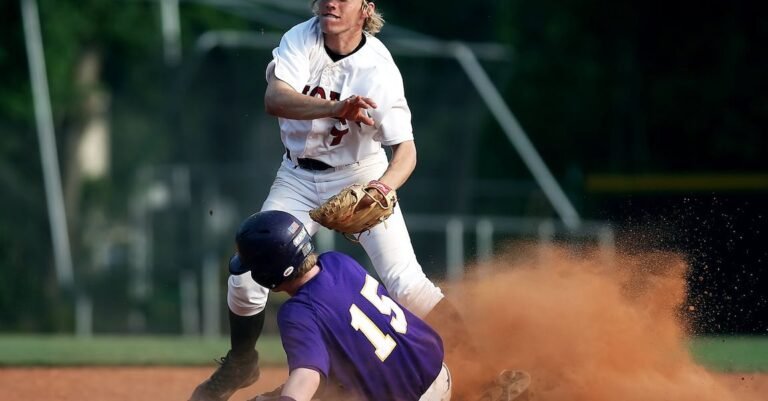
(337, 134)
(318, 92)
(339, 129)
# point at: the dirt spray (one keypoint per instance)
(587, 325)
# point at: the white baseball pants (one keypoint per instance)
(389, 247)
(440, 390)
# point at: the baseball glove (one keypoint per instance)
(357, 208)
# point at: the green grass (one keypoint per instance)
(732, 354)
(38, 350)
(727, 354)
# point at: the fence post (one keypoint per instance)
(454, 235)
(83, 316)
(606, 240)
(190, 321)
(484, 231)
(211, 296)
(546, 232)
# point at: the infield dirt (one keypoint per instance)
(173, 383)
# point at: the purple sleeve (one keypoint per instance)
(301, 337)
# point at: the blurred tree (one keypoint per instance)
(104, 66)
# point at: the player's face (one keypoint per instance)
(341, 16)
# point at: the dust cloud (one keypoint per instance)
(587, 326)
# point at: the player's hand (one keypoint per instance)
(355, 108)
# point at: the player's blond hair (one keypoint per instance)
(307, 265)
(372, 24)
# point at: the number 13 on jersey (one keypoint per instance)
(382, 343)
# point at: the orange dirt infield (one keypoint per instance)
(117, 383)
(174, 384)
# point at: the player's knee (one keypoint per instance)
(419, 297)
(244, 296)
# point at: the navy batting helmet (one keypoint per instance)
(272, 245)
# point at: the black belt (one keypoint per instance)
(310, 164)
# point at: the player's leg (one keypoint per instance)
(388, 245)
(246, 299)
(440, 390)
(294, 191)
(391, 252)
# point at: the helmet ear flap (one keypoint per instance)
(289, 272)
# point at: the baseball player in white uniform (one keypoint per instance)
(339, 99)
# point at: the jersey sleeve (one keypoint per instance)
(291, 58)
(395, 115)
(302, 340)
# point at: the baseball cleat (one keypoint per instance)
(234, 372)
(509, 385)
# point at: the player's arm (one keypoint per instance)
(281, 100)
(302, 384)
(401, 165)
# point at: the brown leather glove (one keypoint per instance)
(357, 208)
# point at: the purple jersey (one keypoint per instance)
(343, 324)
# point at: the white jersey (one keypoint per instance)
(302, 62)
